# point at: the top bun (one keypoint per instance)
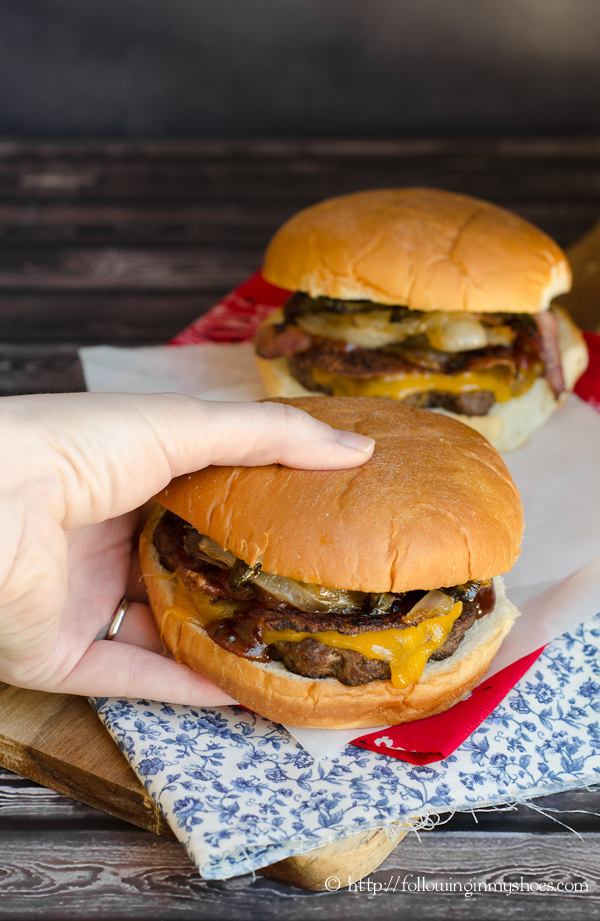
(425, 249)
(434, 507)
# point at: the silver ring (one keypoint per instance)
(117, 619)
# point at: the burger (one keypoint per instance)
(347, 598)
(435, 299)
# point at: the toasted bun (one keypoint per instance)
(272, 691)
(435, 505)
(425, 249)
(507, 425)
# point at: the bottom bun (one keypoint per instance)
(507, 425)
(270, 690)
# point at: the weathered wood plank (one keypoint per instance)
(74, 152)
(298, 172)
(115, 268)
(82, 761)
(25, 804)
(39, 369)
(311, 181)
(134, 875)
(539, 148)
(226, 224)
(26, 266)
(89, 318)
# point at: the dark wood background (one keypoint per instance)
(125, 244)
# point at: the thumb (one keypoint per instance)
(114, 451)
(254, 434)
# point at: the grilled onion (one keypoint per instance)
(433, 604)
(377, 328)
(308, 597)
(370, 330)
(317, 598)
(451, 333)
(301, 595)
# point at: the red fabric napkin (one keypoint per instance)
(436, 737)
(235, 319)
(588, 386)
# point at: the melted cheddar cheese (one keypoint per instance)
(495, 379)
(407, 651)
(196, 607)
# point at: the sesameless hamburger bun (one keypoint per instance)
(432, 298)
(349, 598)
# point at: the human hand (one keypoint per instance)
(77, 470)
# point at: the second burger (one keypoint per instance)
(434, 299)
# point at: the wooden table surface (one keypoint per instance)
(125, 243)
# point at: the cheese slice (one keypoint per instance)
(195, 607)
(407, 651)
(498, 380)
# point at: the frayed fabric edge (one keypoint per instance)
(417, 821)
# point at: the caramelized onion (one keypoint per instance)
(500, 335)
(300, 595)
(380, 603)
(309, 597)
(371, 330)
(433, 604)
(317, 598)
(448, 333)
(215, 552)
(377, 328)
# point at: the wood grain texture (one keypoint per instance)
(206, 223)
(43, 836)
(39, 368)
(127, 242)
(123, 268)
(57, 740)
(26, 805)
(277, 170)
(147, 222)
(133, 875)
(92, 317)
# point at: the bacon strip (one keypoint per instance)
(282, 341)
(548, 330)
(491, 360)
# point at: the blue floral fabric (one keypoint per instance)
(240, 793)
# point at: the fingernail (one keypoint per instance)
(354, 440)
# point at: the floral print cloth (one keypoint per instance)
(240, 793)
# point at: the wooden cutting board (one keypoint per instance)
(58, 741)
